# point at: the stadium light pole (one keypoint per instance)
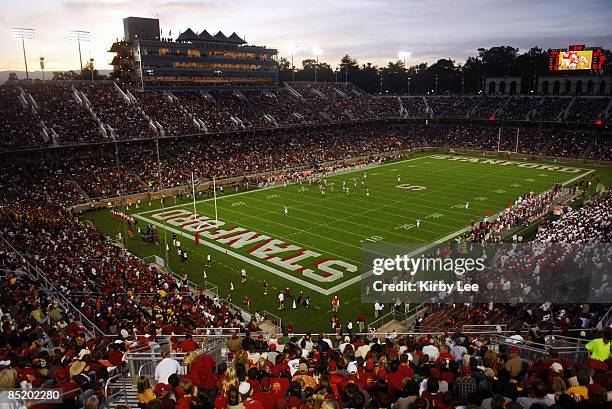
(292, 50)
(23, 34)
(402, 55)
(436, 84)
(316, 51)
(80, 35)
(159, 179)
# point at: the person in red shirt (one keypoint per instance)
(64, 383)
(279, 385)
(190, 391)
(279, 366)
(252, 379)
(161, 392)
(336, 379)
(432, 393)
(188, 345)
(266, 396)
(395, 380)
(367, 376)
(202, 370)
(404, 368)
(361, 322)
(115, 356)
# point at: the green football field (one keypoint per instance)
(316, 246)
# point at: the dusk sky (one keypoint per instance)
(369, 30)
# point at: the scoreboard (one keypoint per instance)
(576, 58)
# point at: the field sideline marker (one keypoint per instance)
(290, 277)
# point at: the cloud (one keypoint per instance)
(370, 30)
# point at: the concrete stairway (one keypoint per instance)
(129, 394)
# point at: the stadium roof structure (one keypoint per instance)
(188, 35)
(205, 36)
(220, 36)
(236, 38)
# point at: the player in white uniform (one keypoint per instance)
(418, 223)
(243, 276)
(367, 192)
(398, 178)
(285, 210)
(467, 205)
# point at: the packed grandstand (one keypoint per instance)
(192, 349)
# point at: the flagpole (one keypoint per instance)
(215, 195)
(193, 193)
(141, 72)
(159, 181)
(517, 138)
(499, 140)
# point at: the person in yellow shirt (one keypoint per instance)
(599, 348)
(580, 392)
(145, 392)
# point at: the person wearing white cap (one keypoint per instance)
(294, 365)
(556, 367)
(342, 346)
(244, 388)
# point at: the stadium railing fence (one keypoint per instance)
(35, 273)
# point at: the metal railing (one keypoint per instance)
(143, 362)
(568, 348)
(272, 318)
(35, 272)
(605, 321)
(484, 328)
(115, 394)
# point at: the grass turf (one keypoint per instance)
(335, 226)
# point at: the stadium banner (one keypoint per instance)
(473, 273)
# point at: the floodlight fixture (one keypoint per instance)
(22, 33)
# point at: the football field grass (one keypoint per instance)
(316, 246)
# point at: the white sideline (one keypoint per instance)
(291, 183)
(291, 277)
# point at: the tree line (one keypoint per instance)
(445, 76)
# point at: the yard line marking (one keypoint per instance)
(420, 250)
(238, 256)
(289, 276)
(375, 166)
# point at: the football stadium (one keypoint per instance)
(194, 220)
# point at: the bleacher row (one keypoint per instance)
(81, 175)
(43, 342)
(35, 114)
